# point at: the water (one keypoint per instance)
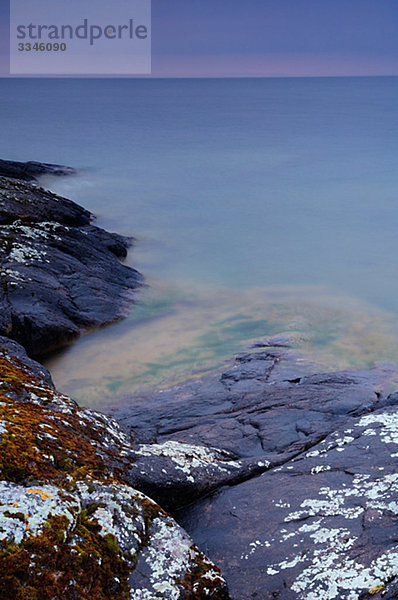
(259, 206)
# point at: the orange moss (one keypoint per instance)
(61, 445)
(194, 584)
(48, 567)
(42, 443)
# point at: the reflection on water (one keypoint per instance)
(171, 335)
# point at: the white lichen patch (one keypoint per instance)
(388, 432)
(119, 511)
(165, 563)
(320, 542)
(370, 493)
(24, 511)
(3, 427)
(320, 469)
(163, 551)
(165, 560)
(188, 458)
(333, 575)
(334, 441)
(26, 254)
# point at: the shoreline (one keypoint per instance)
(284, 474)
(92, 533)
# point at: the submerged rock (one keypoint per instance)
(59, 274)
(71, 524)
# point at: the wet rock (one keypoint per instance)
(59, 274)
(263, 404)
(289, 339)
(28, 204)
(71, 524)
(31, 171)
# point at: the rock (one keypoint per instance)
(323, 526)
(176, 474)
(60, 275)
(71, 525)
(31, 204)
(288, 339)
(30, 171)
(19, 357)
(319, 523)
(262, 405)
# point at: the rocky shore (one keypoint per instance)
(284, 476)
(72, 526)
(308, 506)
(60, 274)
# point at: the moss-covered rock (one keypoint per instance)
(71, 525)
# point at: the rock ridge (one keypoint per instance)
(60, 275)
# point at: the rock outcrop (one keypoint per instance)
(60, 275)
(71, 525)
(320, 522)
(31, 171)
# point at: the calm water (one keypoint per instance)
(259, 206)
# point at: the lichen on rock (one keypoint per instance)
(71, 525)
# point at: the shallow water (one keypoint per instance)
(171, 335)
(260, 206)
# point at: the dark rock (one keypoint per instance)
(30, 171)
(317, 519)
(323, 526)
(263, 404)
(175, 474)
(31, 204)
(59, 274)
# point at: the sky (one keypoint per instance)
(260, 38)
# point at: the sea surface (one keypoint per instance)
(259, 206)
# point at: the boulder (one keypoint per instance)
(321, 527)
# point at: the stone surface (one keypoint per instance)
(31, 171)
(264, 405)
(71, 524)
(175, 474)
(265, 402)
(59, 274)
(321, 527)
(320, 522)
